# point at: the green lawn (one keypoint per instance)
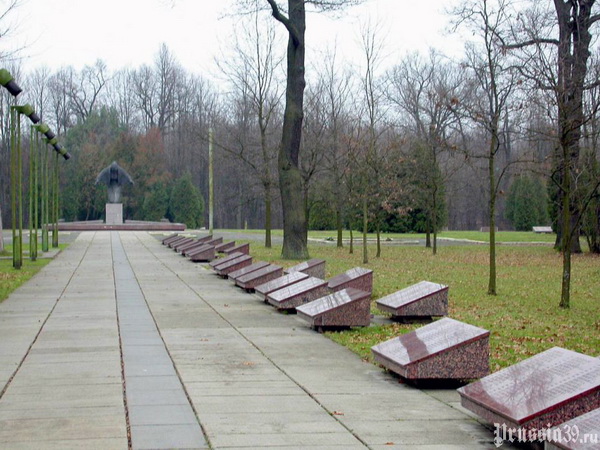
(11, 279)
(501, 236)
(524, 318)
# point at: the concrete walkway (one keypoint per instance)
(121, 342)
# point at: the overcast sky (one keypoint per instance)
(128, 32)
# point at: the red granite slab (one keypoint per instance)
(203, 254)
(242, 248)
(312, 267)
(424, 299)
(202, 249)
(214, 242)
(444, 349)
(233, 265)
(547, 389)
(223, 260)
(246, 270)
(169, 238)
(188, 249)
(224, 246)
(253, 279)
(178, 245)
(346, 308)
(579, 433)
(357, 278)
(279, 283)
(197, 243)
(177, 240)
(299, 293)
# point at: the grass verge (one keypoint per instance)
(524, 318)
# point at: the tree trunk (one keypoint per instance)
(365, 229)
(1, 232)
(295, 229)
(378, 254)
(434, 221)
(340, 228)
(492, 216)
(268, 204)
(351, 250)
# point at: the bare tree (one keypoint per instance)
(253, 72)
(295, 227)
(428, 93)
(85, 89)
(559, 64)
(493, 83)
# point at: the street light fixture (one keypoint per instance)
(9, 83)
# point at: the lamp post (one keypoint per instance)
(34, 143)
(16, 192)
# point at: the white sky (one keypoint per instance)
(128, 32)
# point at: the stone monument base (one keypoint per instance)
(114, 214)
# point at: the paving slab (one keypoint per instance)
(253, 378)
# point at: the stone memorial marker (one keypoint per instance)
(580, 433)
(223, 260)
(224, 246)
(196, 243)
(547, 389)
(279, 283)
(246, 270)
(177, 246)
(543, 230)
(424, 299)
(202, 254)
(298, 293)
(233, 265)
(168, 238)
(346, 308)
(445, 349)
(312, 267)
(253, 279)
(173, 243)
(242, 248)
(212, 243)
(357, 278)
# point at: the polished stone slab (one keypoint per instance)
(279, 283)
(233, 265)
(242, 248)
(202, 254)
(346, 308)
(224, 246)
(224, 259)
(424, 299)
(579, 433)
(444, 349)
(179, 245)
(177, 240)
(247, 270)
(250, 280)
(551, 387)
(357, 278)
(298, 294)
(312, 267)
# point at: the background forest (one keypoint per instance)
(408, 142)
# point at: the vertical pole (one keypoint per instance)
(14, 185)
(32, 195)
(211, 192)
(55, 204)
(44, 183)
(20, 190)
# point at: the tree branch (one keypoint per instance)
(278, 15)
(530, 42)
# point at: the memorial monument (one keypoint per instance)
(114, 176)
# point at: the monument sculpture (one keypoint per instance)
(114, 176)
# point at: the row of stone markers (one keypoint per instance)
(553, 396)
